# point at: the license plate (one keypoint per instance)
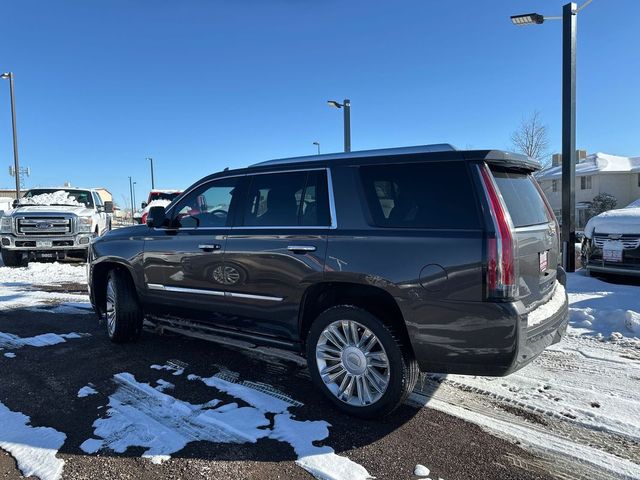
(544, 260)
(612, 251)
(44, 244)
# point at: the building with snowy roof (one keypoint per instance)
(595, 173)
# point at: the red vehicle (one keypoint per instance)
(158, 198)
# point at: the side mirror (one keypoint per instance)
(108, 207)
(156, 217)
(143, 205)
(14, 204)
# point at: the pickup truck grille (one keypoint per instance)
(44, 226)
(628, 243)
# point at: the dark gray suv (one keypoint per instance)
(376, 265)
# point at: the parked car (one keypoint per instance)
(157, 198)
(375, 265)
(52, 223)
(611, 243)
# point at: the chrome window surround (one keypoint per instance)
(214, 293)
(332, 205)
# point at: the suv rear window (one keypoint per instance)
(421, 195)
(522, 198)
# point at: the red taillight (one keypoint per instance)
(143, 219)
(502, 280)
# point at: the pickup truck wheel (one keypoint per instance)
(123, 312)
(359, 363)
(14, 259)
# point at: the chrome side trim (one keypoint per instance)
(215, 293)
(332, 202)
(253, 297)
(165, 288)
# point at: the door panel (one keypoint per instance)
(183, 263)
(271, 277)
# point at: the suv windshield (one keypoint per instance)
(54, 197)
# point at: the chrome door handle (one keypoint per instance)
(208, 248)
(301, 248)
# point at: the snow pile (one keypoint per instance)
(16, 286)
(44, 274)
(603, 310)
(61, 197)
(10, 341)
(620, 221)
(34, 448)
(86, 391)
(143, 416)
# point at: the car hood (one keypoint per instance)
(45, 209)
(621, 221)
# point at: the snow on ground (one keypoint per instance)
(17, 286)
(10, 341)
(590, 379)
(34, 448)
(604, 310)
(86, 391)
(140, 415)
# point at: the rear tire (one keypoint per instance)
(14, 258)
(123, 311)
(359, 363)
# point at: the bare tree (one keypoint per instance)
(532, 137)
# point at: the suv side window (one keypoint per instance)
(288, 199)
(206, 206)
(421, 195)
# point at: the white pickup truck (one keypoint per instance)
(51, 224)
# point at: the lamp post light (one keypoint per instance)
(153, 184)
(569, 22)
(16, 162)
(346, 107)
(317, 144)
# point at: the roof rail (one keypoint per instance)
(437, 147)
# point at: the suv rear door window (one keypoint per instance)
(522, 198)
(288, 199)
(421, 195)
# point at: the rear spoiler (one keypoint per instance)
(500, 158)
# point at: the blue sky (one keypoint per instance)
(203, 84)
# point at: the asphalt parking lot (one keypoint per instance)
(43, 383)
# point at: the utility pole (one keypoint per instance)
(16, 162)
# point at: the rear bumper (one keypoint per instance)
(486, 338)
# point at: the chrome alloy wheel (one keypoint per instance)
(352, 363)
(111, 308)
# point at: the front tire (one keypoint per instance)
(122, 308)
(359, 363)
(13, 258)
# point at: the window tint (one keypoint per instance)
(207, 205)
(288, 199)
(420, 195)
(522, 198)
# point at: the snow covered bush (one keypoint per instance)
(602, 202)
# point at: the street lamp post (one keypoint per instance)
(131, 194)
(346, 107)
(317, 144)
(134, 193)
(153, 184)
(16, 162)
(569, 24)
